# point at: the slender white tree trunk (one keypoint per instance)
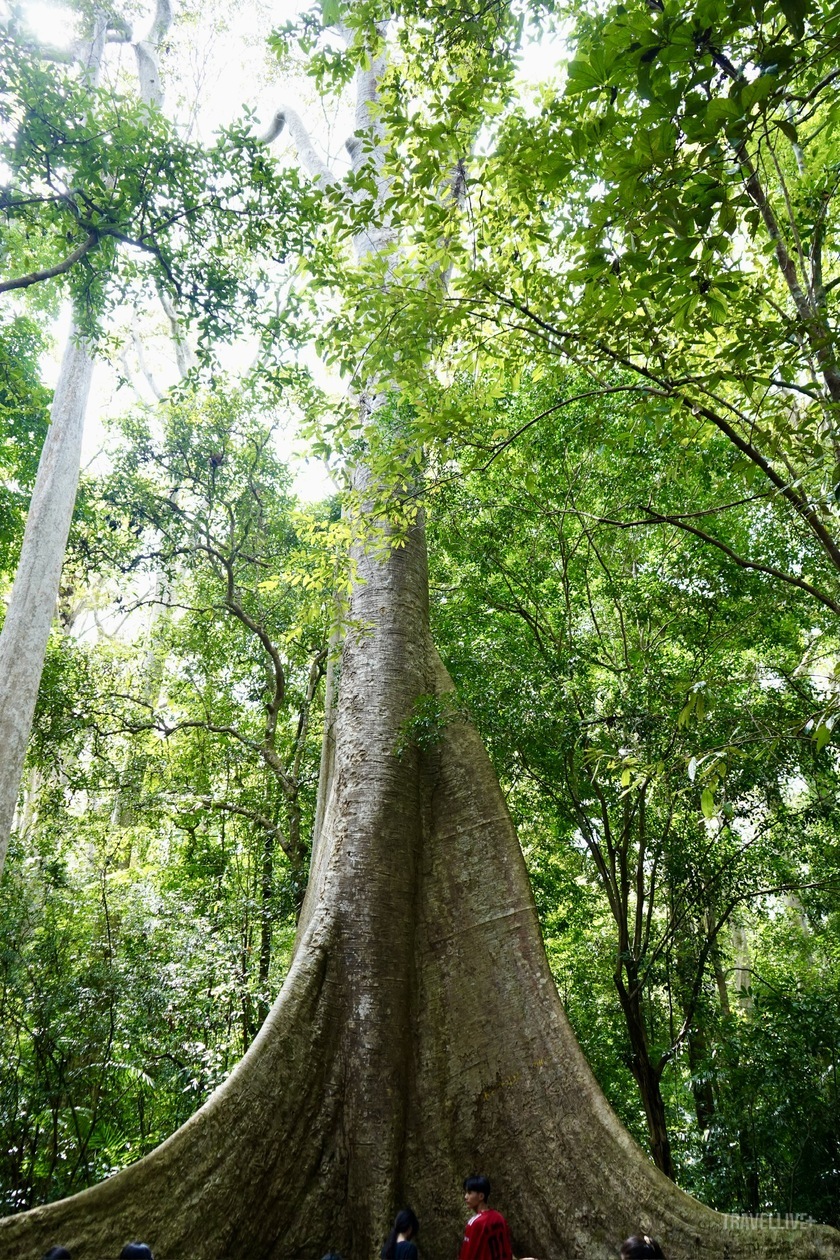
(32, 605)
(26, 629)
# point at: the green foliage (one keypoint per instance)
(775, 1075)
(636, 579)
(149, 902)
(429, 719)
(644, 700)
(93, 171)
(668, 225)
(123, 997)
(23, 417)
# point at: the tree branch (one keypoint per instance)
(274, 829)
(146, 51)
(798, 501)
(315, 166)
(818, 336)
(48, 273)
(741, 561)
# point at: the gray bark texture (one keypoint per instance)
(26, 629)
(418, 1036)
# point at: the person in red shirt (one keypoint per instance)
(486, 1235)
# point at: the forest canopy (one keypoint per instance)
(564, 282)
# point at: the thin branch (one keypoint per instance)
(273, 829)
(565, 402)
(316, 672)
(712, 937)
(815, 330)
(35, 277)
(309, 158)
(815, 91)
(799, 502)
(741, 561)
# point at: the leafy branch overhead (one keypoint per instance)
(663, 217)
(103, 192)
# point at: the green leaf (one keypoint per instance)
(758, 90)
(796, 11)
(581, 76)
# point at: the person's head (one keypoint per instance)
(476, 1192)
(136, 1251)
(641, 1247)
(406, 1226)
(406, 1223)
(57, 1253)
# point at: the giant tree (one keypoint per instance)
(419, 1032)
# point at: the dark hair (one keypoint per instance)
(405, 1222)
(641, 1247)
(57, 1253)
(479, 1183)
(331, 1255)
(136, 1251)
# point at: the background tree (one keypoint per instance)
(87, 165)
(645, 704)
(150, 905)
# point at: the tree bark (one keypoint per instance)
(26, 629)
(418, 1036)
(646, 1073)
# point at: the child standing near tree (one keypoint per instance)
(486, 1235)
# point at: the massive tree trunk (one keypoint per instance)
(418, 1036)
